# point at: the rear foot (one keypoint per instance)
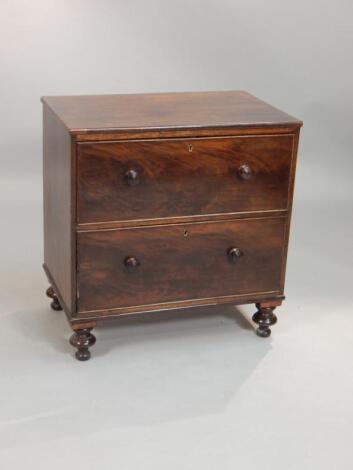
(55, 304)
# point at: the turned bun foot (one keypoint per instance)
(55, 304)
(83, 340)
(264, 317)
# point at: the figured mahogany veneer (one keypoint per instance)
(164, 201)
(156, 179)
(178, 262)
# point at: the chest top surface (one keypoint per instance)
(172, 111)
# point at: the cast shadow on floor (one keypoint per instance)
(163, 367)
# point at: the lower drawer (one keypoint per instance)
(150, 265)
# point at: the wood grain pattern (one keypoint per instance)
(182, 177)
(165, 201)
(135, 134)
(59, 255)
(179, 262)
(290, 204)
(166, 111)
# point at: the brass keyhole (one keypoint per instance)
(186, 233)
(190, 148)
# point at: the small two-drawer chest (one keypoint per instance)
(165, 201)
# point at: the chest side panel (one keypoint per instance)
(59, 246)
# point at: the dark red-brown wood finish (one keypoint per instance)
(59, 208)
(164, 201)
(178, 262)
(153, 179)
(192, 111)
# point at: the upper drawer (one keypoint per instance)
(134, 180)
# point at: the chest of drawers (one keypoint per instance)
(165, 201)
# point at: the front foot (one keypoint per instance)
(55, 304)
(265, 318)
(83, 340)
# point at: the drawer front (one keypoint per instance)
(148, 265)
(134, 180)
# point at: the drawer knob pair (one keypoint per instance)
(132, 176)
(245, 172)
(233, 254)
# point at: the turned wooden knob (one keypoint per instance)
(132, 177)
(131, 262)
(245, 172)
(234, 254)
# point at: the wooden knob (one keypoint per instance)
(234, 254)
(131, 262)
(132, 177)
(245, 172)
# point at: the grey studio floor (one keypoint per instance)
(193, 391)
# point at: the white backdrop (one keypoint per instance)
(296, 55)
(202, 391)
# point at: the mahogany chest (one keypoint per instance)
(165, 201)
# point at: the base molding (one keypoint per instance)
(270, 298)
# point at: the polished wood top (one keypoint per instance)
(171, 111)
